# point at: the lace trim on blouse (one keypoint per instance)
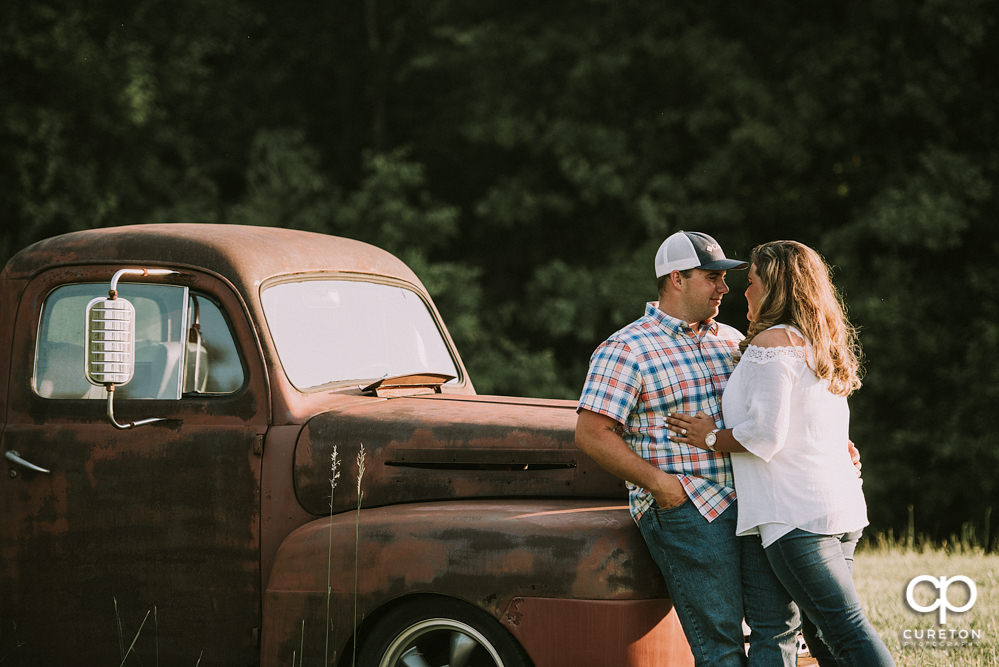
(767, 355)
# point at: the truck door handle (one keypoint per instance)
(14, 457)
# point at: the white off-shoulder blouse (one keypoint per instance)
(796, 471)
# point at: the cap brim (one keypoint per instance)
(723, 265)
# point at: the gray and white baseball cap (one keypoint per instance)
(692, 250)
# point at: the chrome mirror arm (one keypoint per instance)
(127, 425)
(110, 352)
(113, 291)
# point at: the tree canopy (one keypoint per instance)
(526, 159)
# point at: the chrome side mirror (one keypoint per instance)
(110, 341)
(110, 355)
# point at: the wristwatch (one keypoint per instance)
(710, 439)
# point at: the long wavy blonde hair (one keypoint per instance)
(798, 290)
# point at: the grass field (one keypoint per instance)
(883, 569)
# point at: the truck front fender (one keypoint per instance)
(492, 554)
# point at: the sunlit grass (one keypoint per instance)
(882, 571)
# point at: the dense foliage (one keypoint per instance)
(527, 159)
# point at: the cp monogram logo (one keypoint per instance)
(942, 602)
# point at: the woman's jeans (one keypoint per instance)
(715, 579)
(817, 571)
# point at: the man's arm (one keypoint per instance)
(596, 435)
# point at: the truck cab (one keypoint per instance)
(297, 470)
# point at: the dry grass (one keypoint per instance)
(883, 569)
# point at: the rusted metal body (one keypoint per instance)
(561, 575)
(219, 520)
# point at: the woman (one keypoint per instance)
(786, 408)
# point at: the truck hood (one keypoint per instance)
(437, 447)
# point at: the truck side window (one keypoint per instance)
(213, 365)
(163, 344)
(59, 355)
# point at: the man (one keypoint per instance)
(676, 359)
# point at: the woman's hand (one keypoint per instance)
(690, 430)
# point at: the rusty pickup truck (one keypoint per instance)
(186, 411)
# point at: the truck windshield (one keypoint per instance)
(329, 331)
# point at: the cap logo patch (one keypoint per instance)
(711, 247)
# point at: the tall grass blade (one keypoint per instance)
(121, 638)
(910, 541)
(134, 639)
(987, 540)
(361, 455)
(334, 476)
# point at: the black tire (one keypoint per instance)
(440, 632)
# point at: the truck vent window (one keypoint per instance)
(509, 467)
(483, 459)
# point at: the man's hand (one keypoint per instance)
(599, 436)
(669, 493)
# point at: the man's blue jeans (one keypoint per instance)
(715, 579)
(817, 571)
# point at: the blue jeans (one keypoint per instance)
(817, 571)
(715, 580)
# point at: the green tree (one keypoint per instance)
(527, 159)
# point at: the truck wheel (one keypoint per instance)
(440, 633)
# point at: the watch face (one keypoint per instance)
(709, 439)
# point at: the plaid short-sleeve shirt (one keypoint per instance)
(652, 367)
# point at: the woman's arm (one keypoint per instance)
(694, 431)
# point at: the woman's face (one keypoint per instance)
(754, 293)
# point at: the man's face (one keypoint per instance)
(702, 294)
